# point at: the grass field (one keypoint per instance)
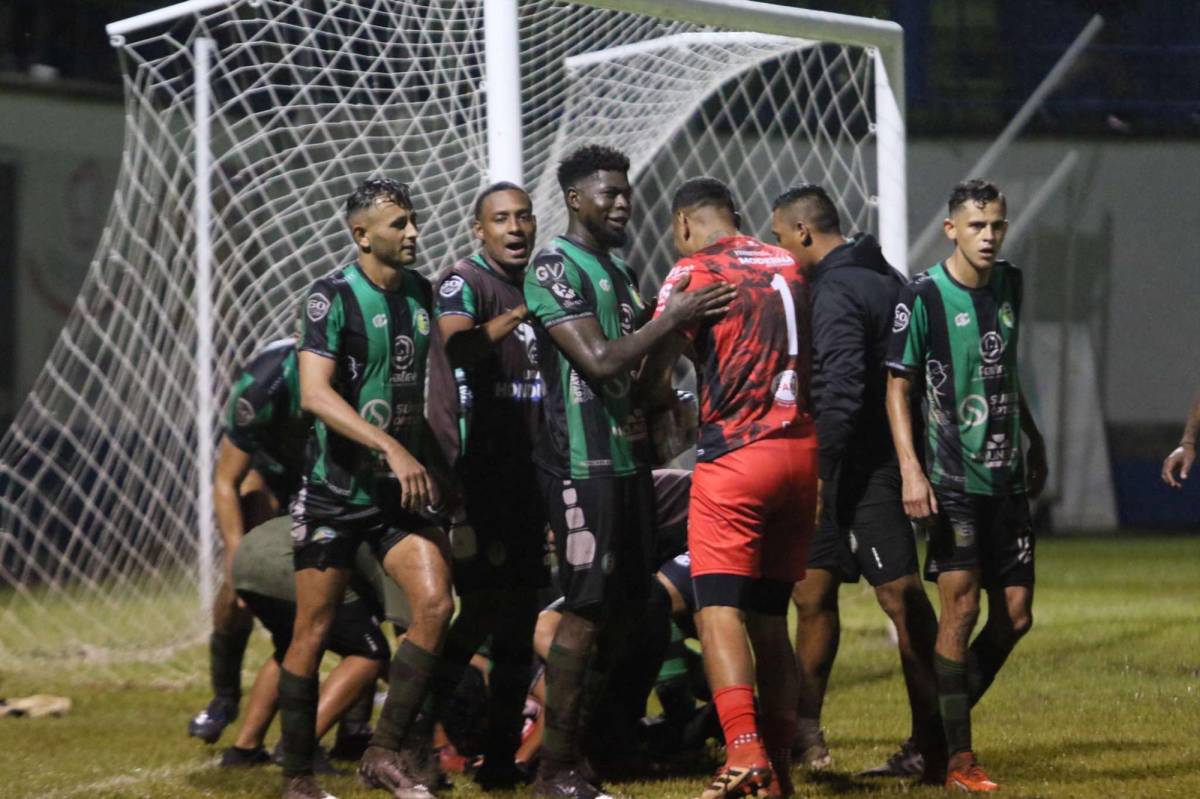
(1102, 699)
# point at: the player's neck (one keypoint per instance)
(500, 268)
(578, 233)
(388, 278)
(967, 274)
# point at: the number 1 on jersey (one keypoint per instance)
(789, 311)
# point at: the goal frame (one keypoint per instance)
(502, 87)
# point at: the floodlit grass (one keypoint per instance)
(1101, 700)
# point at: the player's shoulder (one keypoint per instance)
(275, 352)
(924, 284)
(551, 263)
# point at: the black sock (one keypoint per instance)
(565, 672)
(298, 698)
(358, 715)
(408, 683)
(984, 660)
(953, 703)
(225, 651)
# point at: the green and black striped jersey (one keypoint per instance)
(590, 430)
(380, 341)
(965, 342)
(263, 416)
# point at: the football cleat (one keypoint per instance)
(208, 724)
(235, 757)
(383, 768)
(811, 752)
(305, 787)
(965, 774)
(733, 782)
(907, 761)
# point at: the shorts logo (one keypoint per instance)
(964, 535)
(581, 548)
(973, 411)
(318, 307)
(422, 321)
(608, 563)
(548, 273)
(1007, 317)
(684, 560)
(377, 412)
(991, 347)
(605, 285)
(243, 412)
(784, 386)
(451, 286)
(962, 320)
(900, 322)
(379, 320)
(1025, 549)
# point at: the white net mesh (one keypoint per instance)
(98, 514)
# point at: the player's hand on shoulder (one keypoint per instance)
(706, 304)
(417, 486)
(1176, 466)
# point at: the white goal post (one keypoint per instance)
(248, 122)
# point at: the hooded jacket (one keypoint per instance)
(854, 296)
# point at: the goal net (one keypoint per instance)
(101, 554)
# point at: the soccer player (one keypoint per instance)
(259, 461)
(264, 579)
(955, 328)
(854, 293)
(593, 453)
(499, 551)
(1177, 465)
(370, 474)
(754, 490)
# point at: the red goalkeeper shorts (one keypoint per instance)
(752, 509)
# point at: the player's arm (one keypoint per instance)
(905, 360)
(318, 397)
(599, 358)
(1182, 457)
(233, 464)
(467, 341)
(1035, 459)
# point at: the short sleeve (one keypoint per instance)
(909, 340)
(554, 291)
(248, 410)
(699, 277)
(324, 317)
(455, 297)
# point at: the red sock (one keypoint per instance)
(735, 707)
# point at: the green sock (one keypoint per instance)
(225, 651)
(408, 683)
(954, 703)
(565, 672)
(297, 722)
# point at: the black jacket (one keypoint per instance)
(854, 296)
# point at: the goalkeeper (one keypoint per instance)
(258, 468)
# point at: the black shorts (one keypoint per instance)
(503, 545)
(603, 536)
(672, 497)
(976, 531)
(355, 629)
(863, 530)
(326, 530)
(678, 571)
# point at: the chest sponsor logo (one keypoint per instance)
(377, 413)
(973, 411)
(1001, 405)
(422, 321)
(605, 285)
(991, 347)
(525, 334)
(317, 308)
(578, 389)
(379, 320)
(403, 355)
(405, 414)
(626, 319)
(999, 453)
(785, 387)
(900, 319)
(962, 320)
(451, 286)
(548, 273)
(1007, 317)
(243, 412)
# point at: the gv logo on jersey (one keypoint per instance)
(548, 272)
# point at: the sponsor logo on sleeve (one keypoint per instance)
(785, 386)
(318, 307)
(1007, 317)
(422, 321)
(563, 291)
(548, 272)
(243, 412)
(451, 286)
(900, 322)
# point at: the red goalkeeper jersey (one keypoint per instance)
(753, 366)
